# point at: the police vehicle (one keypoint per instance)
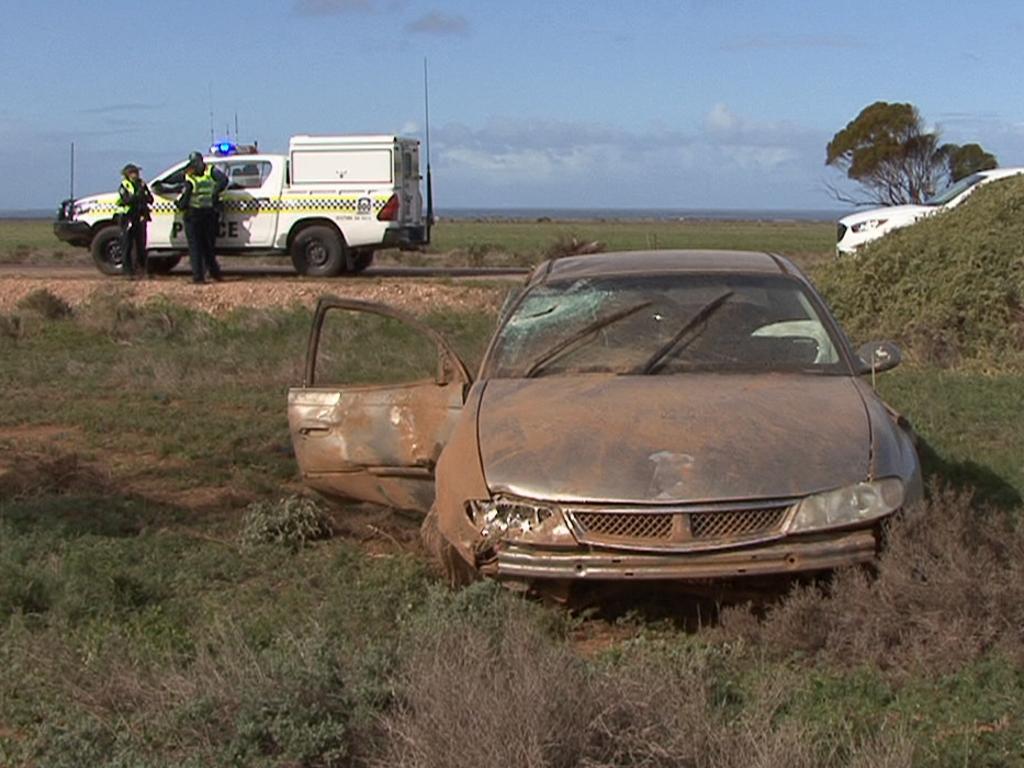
(330, 203)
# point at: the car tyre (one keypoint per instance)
(161, 265)
(455, 570)
(106, 250)
(318, 251)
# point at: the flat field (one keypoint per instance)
(148, 619)
(495, 242)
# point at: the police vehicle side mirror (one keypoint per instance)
(166, 188)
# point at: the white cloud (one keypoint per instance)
(721, 119)
(594, 163)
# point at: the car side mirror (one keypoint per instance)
(879, 356)
(166, 188)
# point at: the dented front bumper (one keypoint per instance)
(787, 556)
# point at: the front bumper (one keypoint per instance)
(76, 233)
(789, 556)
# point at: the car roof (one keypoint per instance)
(664, 261)
(998, 173)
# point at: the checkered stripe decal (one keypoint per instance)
(254, 205)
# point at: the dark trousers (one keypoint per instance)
(133, 245)
(201, 232)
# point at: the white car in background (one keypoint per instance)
(864, 226)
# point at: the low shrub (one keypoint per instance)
(294, 522)
(949, 589)
(46, 304)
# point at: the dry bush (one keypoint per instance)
(46, 304)
(29, 473)
(468, 698)
(520, 699)
(949, 588)
(570, 245)
(11, 326)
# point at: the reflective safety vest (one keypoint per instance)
(126, 184)
(203, 188)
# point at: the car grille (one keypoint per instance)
(679, 528)
(840, 232)
(625, 525)
(711, 525)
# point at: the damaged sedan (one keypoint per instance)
(683, 415)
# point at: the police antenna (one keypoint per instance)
(426, 126)
(209, 88)
(71, 190)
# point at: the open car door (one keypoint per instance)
(379, 398)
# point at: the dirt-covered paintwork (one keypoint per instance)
(671, 456)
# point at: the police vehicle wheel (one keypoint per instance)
(318, 252)
(106, 250)
(363, 259)
(161, 265)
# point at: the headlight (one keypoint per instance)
(870, 224)
(519, 519)
(858, 503)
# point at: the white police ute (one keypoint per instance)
(330, 203)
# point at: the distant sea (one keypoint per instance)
(576, 214)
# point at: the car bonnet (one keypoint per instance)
(672, 438)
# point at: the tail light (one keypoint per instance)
(390, 210)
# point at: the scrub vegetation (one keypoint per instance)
(950, 287)
(165, 599)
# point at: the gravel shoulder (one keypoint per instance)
(417, 291)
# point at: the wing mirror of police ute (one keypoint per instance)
(166, 187)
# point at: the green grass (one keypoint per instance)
(32, 240)
(799, 238)
(524, 242)
(139, 631)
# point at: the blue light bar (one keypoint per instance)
(223, 148)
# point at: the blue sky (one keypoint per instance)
(691, 103)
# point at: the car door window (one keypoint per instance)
(244, 173)
(357, 348)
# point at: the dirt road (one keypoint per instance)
(417, 289)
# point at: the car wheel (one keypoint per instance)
(161, 265)
(453, 568)
(318, 251)
(106, 250)
(363, 259)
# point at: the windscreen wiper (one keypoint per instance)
(588, 330)
(654, 361)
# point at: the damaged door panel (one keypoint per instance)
(359, 435)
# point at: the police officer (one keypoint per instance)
(133, 202)
(200, 200)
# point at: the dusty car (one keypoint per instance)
(648, 415)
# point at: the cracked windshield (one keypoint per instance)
(657, 324)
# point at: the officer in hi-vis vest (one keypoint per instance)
(200, 200)
(133, 202)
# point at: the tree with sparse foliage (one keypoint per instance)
(889, 152)
(961, 162)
